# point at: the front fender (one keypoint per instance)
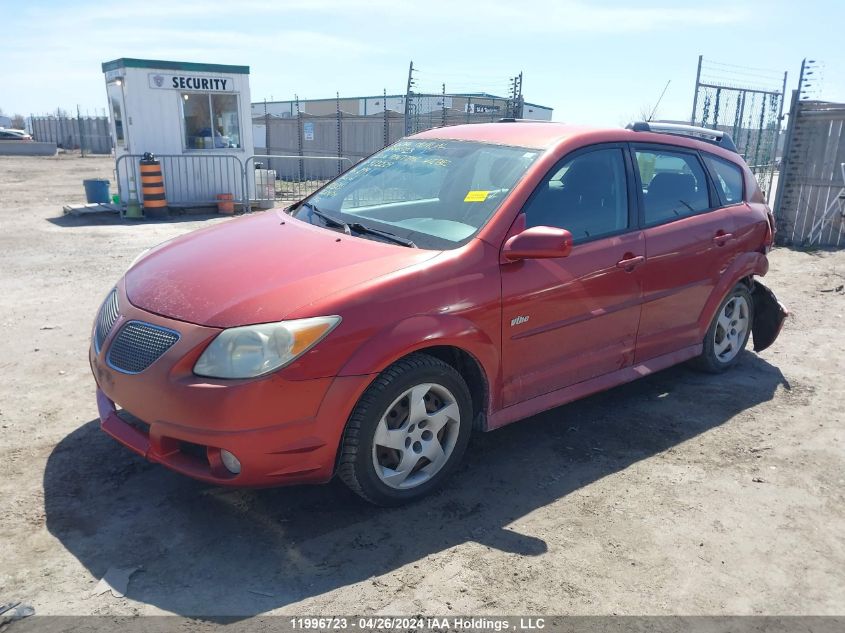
(419, 332)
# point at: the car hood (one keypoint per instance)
(257, 269)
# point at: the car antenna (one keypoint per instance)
(654, 111)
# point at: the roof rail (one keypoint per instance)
(716, 137)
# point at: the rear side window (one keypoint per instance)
(674, 185)
(728, 179)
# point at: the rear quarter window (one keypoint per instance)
(728, 178)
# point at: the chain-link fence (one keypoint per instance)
(747, 103)
(427, 111)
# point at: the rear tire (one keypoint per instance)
(728, 332)
(408, 431)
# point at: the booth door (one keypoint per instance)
(117, 109)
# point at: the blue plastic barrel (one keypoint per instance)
(96, 190)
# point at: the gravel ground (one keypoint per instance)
(682, 493)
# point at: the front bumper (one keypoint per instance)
(281, 431)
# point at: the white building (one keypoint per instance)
(194, 117)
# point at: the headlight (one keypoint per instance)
(255, 350)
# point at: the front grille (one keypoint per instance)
(138, 345)
(105, 319)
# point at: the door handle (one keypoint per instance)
(722, 238)
(629, 263)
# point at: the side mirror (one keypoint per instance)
(538, 242)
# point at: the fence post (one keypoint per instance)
(339, 132)
(81, 132)
(299, 138)
(784, 161)
(386, 128)
(408, 99)
(695, 95)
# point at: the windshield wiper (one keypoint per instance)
(361, 228)
(348, 227)
(327, 218)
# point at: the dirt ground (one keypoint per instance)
(682, 493)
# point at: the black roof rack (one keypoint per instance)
(716, 137)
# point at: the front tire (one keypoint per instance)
(728, 332)
(408, 431)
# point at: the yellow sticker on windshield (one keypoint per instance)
(476, 196)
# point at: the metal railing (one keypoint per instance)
(189, 179)
(262, 180)
(290, 178)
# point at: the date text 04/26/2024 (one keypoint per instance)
(383, 623)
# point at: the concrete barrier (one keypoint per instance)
(27, 148)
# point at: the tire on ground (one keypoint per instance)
(355, 466)
(709, 360)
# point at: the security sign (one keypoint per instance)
(191, 82)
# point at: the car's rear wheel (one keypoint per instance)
(407, 432)
(728, 332)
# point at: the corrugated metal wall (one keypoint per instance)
(811, 195)
(90, 134)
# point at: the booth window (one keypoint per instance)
(211, 120)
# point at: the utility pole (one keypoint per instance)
(408, 99)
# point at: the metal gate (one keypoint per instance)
(747, 103)
(810, 205)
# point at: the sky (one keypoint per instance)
(600, 63)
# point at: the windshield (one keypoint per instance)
(437, 194)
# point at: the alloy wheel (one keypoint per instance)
(416, 436)
(731, 329)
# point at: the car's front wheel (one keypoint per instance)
(728, 332)
(407, 432)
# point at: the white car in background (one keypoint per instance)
(8, 134)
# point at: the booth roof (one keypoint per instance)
(157, 64)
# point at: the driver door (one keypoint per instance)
(569, 319)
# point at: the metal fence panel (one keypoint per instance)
(90, 134)
(747, 103)
(189, 179)
(810, 208)
(280, 180)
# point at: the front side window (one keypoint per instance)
(587, 195)
(674, 185)
(211, 120)
(728, 178)
(436, 193)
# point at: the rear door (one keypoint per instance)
(572, 318)
(689, 240)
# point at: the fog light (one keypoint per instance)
(230, 462)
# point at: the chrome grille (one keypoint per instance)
(138, 345)
(105, 319)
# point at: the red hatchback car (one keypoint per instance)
(459, 280)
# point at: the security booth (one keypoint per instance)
(193, 118)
